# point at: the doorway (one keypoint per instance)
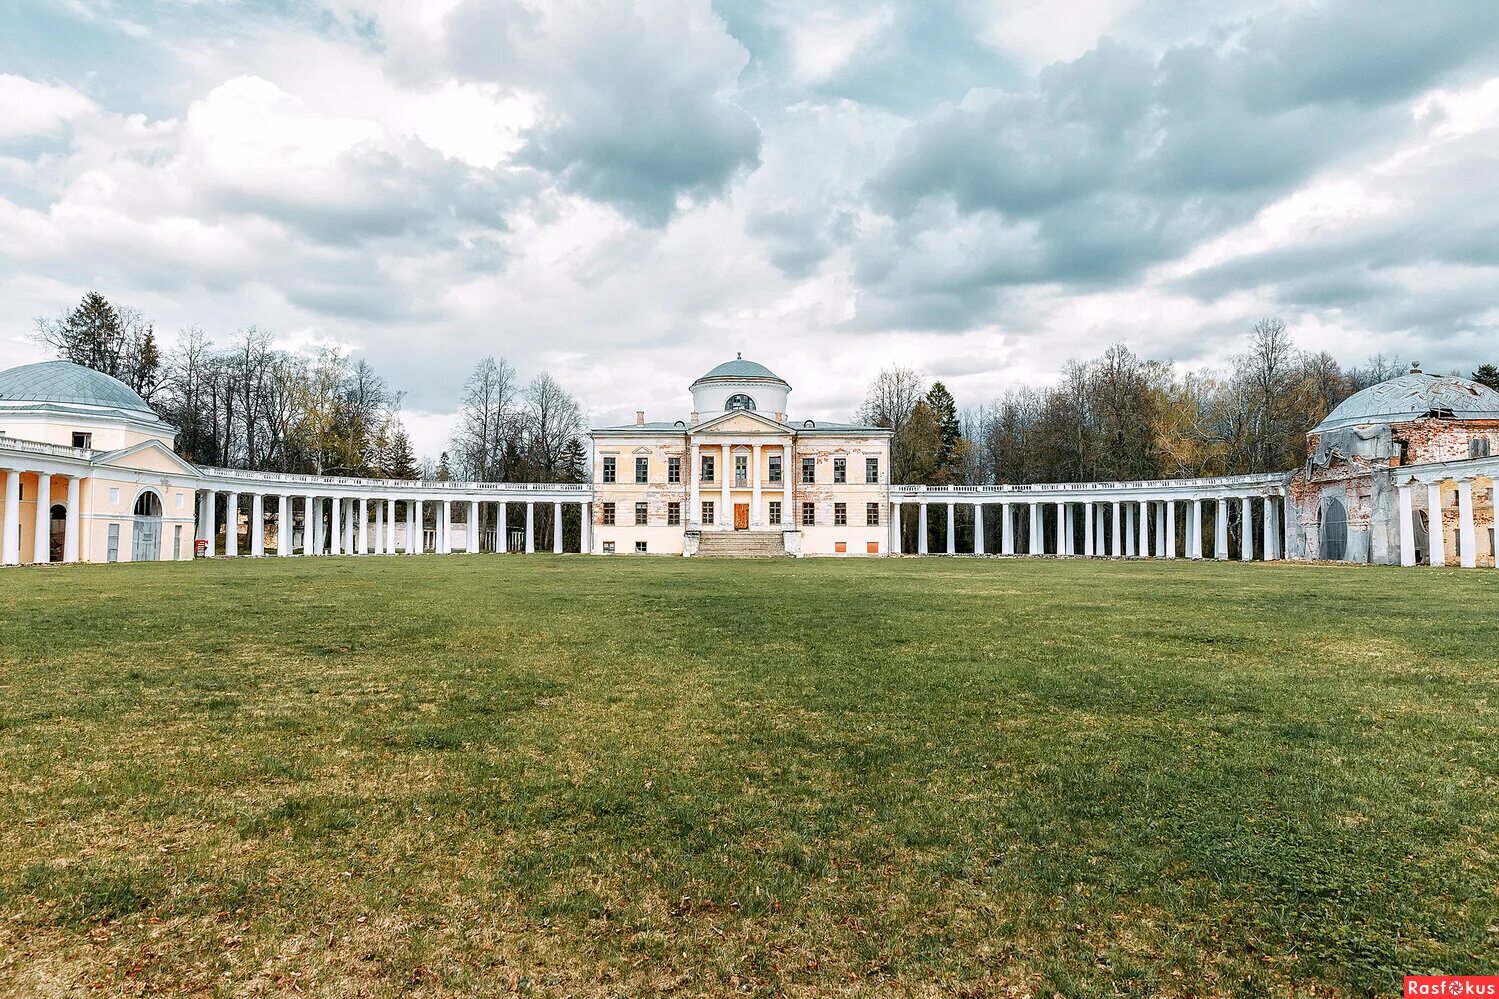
(147, 540)
(57, 532)
(741, 516)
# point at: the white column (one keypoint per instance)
(1171, 528)
(895, 540)
(1246, 515)
(70, 526)
(377, 514)
(1194, 540)
(444, 518)
(10, 545)
(1060, 517)
(530, 527)
(473, 526)
(978, 529)
(556, 528)
(1128, 512)
(694, 473)
(1088, 535)
(418, 543)
(725, 475)
(921, 529)
(312, 524)
(786, 484)
(1033, 538)
(362, 527)
(390, 525)
(1271, 544)
(1142, 534)
(585, 528)
(231, 526)
(335, 525)
(1467, 542)
(283, 525)
(1407, 526)
(1006, 531)
(1220, 528)
(502, 525)
(257, 525)
(1117, 549)
(1437, 537)
(1160, 532)
(41, 535)
(756, 518)
(1100, 533)
(952, 528)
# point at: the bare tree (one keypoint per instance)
(487, 422)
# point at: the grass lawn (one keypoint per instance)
(607, 777)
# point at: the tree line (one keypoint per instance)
(248, 404)
(1119, 416)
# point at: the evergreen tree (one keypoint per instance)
(1487, 374)
(118, 342)
(948, 461)
(402, 464)
(444, 471)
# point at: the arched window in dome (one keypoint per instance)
(739, 401)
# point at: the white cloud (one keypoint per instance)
(29, 108)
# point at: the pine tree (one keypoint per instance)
(444, 471)
(1487, 374)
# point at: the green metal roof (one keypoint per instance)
(63, 381)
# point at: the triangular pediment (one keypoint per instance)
(147, 456)
(741, 422)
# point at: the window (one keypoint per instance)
(840, 469)
(81, 439)
(673, 469)
(642, 514)
(642, 470)
(871, 469)
(113, 554)
(741, 469)
(608, 514)
(1478, 447)
(775, 511)
(608, 548)
(775, 468)
(673, 514)
(707, 511)
(872, 514)
(640, 548)
(707, 475)
(609, 469)
(809, 514)
(114, 496)
(809, 470)
(739, 401)
(840, 514)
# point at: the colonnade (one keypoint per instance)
(10, 516)
(1436, 511)
(1108, 528)
(372, 525)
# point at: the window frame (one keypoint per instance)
(642, 469)
(608, 515)
(673, 513)
(809, 471)
(674, 470)
(809, 513)
(610, 471)
(642, 513)
(840, 471)
(707, 468)
(706, 511)
(840, 514)
(871, 514)
(775, 513)
(773, 466)
(871, 468)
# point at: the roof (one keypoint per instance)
(66, 382)
(796, 426)
(1410, 397)
(740, 368)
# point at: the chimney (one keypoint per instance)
(694, 417)
(640, 417)
(780, 417)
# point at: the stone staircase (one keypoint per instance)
(742, 544)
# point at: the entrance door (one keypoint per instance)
(741, 516)
(147, 534)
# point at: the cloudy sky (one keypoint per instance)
(625, 192)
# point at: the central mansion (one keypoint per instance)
(740, 475)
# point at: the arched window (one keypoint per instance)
(148, 504)
(1334, 531)
(740, 401)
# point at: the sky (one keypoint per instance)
(626, 192)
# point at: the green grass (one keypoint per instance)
(608, 777)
